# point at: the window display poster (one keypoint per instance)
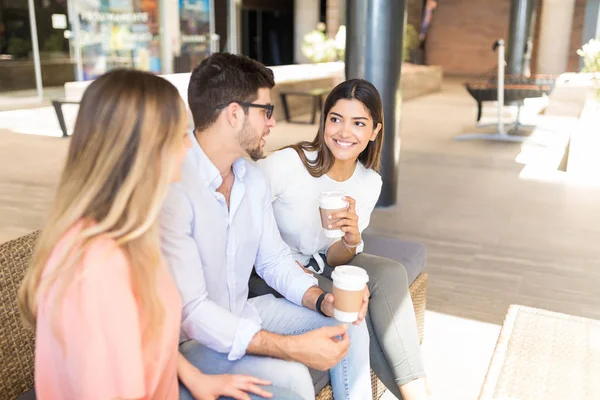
(195, 26)
(120, 5)
(119, 34)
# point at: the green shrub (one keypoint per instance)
(19, 47)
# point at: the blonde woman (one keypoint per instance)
(104, 307)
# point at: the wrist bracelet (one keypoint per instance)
(319, 302)
(351, 246)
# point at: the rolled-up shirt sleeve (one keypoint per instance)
(202, 319)
(274, 261)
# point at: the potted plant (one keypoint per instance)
(317, 47)
(590, 52)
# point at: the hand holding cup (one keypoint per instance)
(328, 306)
(347, 221)
(350, 294)
(329, 203)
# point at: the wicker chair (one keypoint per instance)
(17, 343)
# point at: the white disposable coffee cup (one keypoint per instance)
(349, 283)
(329, 203)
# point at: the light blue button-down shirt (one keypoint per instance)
(211, 250)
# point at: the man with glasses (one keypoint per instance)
(217, 224)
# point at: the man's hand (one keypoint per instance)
(211, 387)
(327, 306)
(322, 348)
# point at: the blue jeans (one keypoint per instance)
(213, 363)
(350, 378)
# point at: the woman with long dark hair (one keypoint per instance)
(345, 156)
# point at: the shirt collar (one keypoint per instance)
(239, 168)
(209, 172)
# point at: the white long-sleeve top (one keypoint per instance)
(296, 193)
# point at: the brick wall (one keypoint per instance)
(462, 32)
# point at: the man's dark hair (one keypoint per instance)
(222, 78)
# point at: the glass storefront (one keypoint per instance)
(82, 39)
(33, 54)
(126, 33)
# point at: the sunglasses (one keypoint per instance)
(268, 107)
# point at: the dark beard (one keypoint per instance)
(255, 154)
(246, 140)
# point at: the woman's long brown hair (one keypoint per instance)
(353, 89)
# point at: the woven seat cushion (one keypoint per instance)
(320, 379)
(410, 254)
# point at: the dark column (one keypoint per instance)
(521, 13)
(374, 35)
(356, 31)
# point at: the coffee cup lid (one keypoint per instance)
(332, 193)
(350, 274)
(332, 199)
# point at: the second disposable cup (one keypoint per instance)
(349, 283)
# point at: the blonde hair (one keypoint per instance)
(120, 162)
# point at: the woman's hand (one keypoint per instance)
(306, 270)
(347, 221)
(364, 307)
(211, 387)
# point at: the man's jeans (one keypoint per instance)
(350, 378)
